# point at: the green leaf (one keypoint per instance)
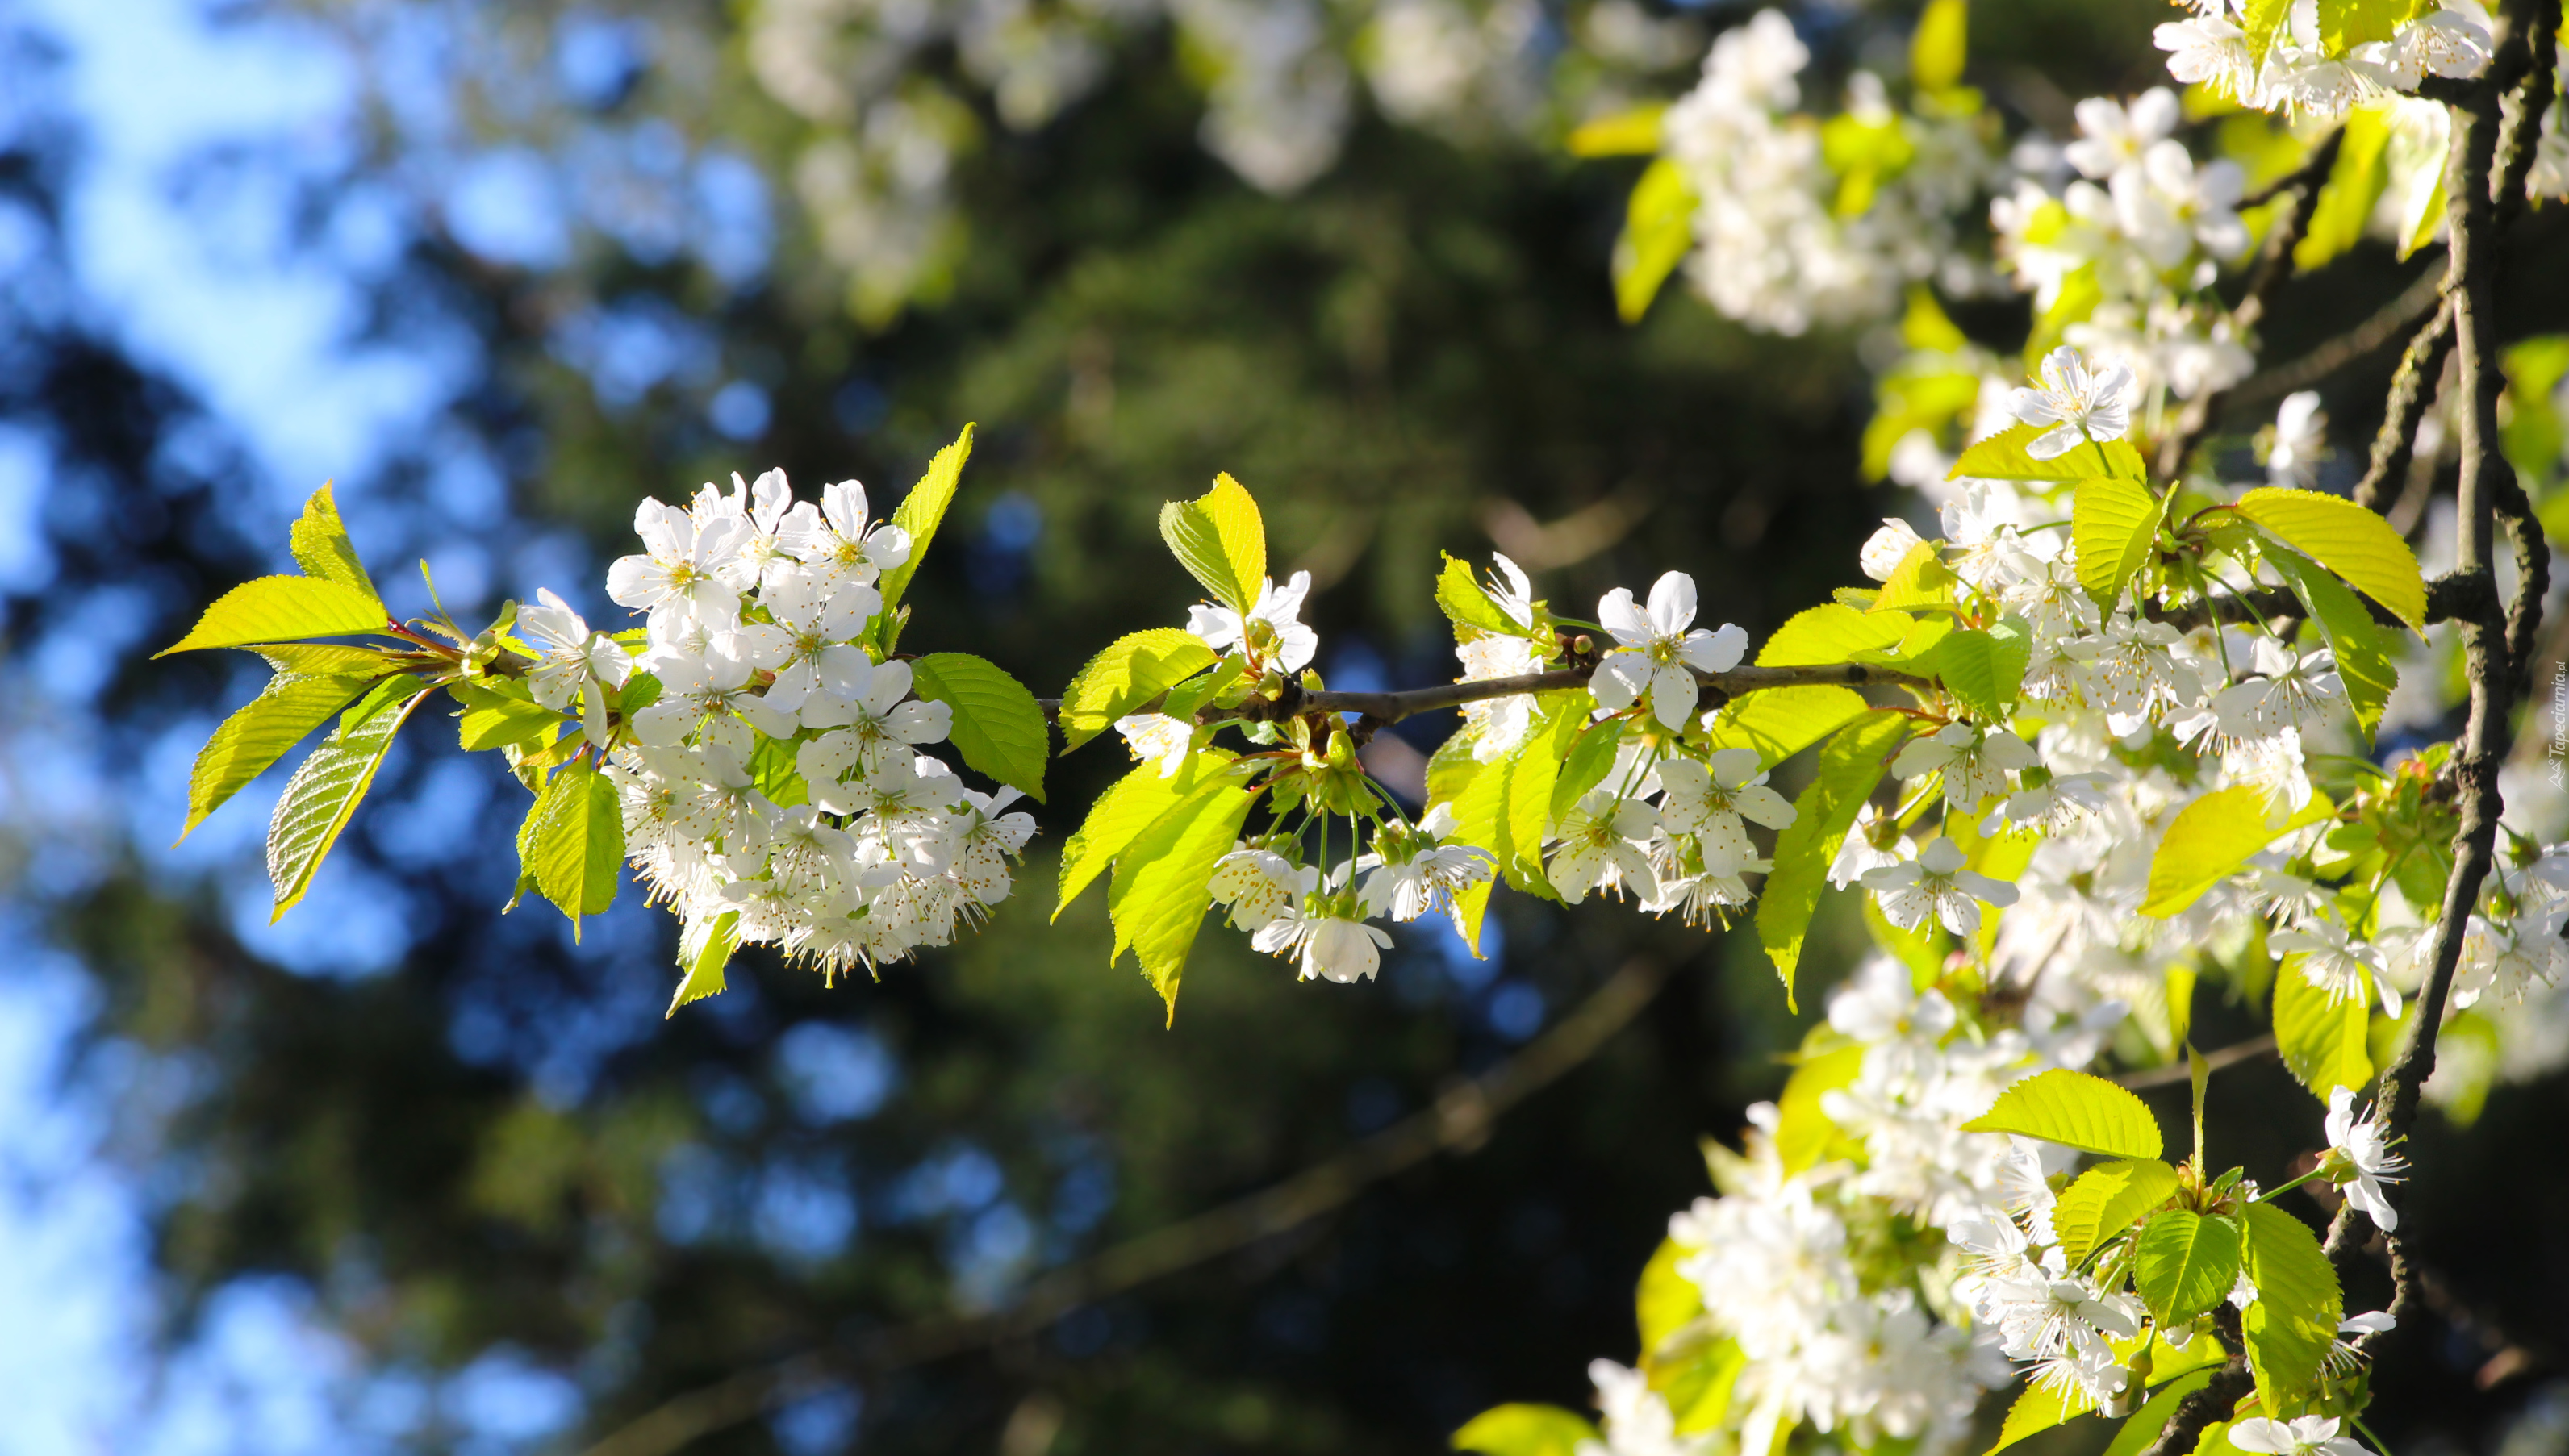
(2112, 525)
(1128, 807)
(1633, 133)
(1936, 48)
(1504, 807)
(2038, 1409)
(1658, 232)
(386, 694)
(2298, 1308)
(2143, 1428)
(704, 962)
(1665, 1301)
(1782, 721)
(281, 609)
(321, 796)
(1133, 670)
(573, 841)
(1849, 768)
(1590, 758)
(2355, 185)
(329, 660)
(1526, 1430)
(2212, 837)
(1221, 541)
(2074, 1110)
(1697, 1384)
(2003, 457)
(322, 548)
(2184, 1264)
(2106, 1199)
(922, 512)
(1984, 667)
(2322, 1042)
(1160, 891)
(1832, 634)
(1803, 1132)
(998, 726)
(2366, 650)
(285, 711)
(493, 720)
(1922, 581)
(2264, 20)
(2355, 544)
(1467, 603)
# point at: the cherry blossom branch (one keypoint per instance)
(1385, 708)
(1458, 1121)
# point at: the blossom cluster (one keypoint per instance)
(1782, 244)
(2301, 72)
(774, 791)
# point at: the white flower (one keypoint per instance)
(1498, 724)
(761, 508)
(1510, 590)
(1885, 549)
(2078, 404)
(1260, 885)
(1326, 941)
(2360, 1159)
(1936, 883)
(1978, 763)
(2347, 969)
(571, 664)
(840, 537)
(1859, 852)
(1414, 872)
(2294, 692)
(2273, 767)
(1271, 633)
(1602, 846)
(985, 839)
(1158, 738)
(694, 686)
(1712, 800)
(2210, 52)
(2112, 137)
(2308, 1435)
(2300, 442)
(876, 728)
(685, 572)
(809, 647)
(1657, 655)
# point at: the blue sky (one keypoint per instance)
(195, 266)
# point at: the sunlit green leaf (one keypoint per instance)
(322, 548)
(1658, 232)
(2184, 1264)
(2355, 544)
(2074, 1110)
(922, 512)
(2298, 1308)
(281, 609)
(998, 727)
(281, 716)
(2106, 1199)
(323, 793)
(1849, 768)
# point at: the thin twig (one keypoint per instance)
(1459, 1121)
(2174, 1072)
(2385, 324)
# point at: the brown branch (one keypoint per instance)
(2454, 596)
(2274, 270)
(2218, 1397)
(2486, 494)
(2412, 390)
(1390, 707)
(1460, 1121)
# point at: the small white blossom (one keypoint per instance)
(2078, 404)
(2360, 1159)
(1936, 885)
(1271, 633)
(2307, 1435)
(1656, 656)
